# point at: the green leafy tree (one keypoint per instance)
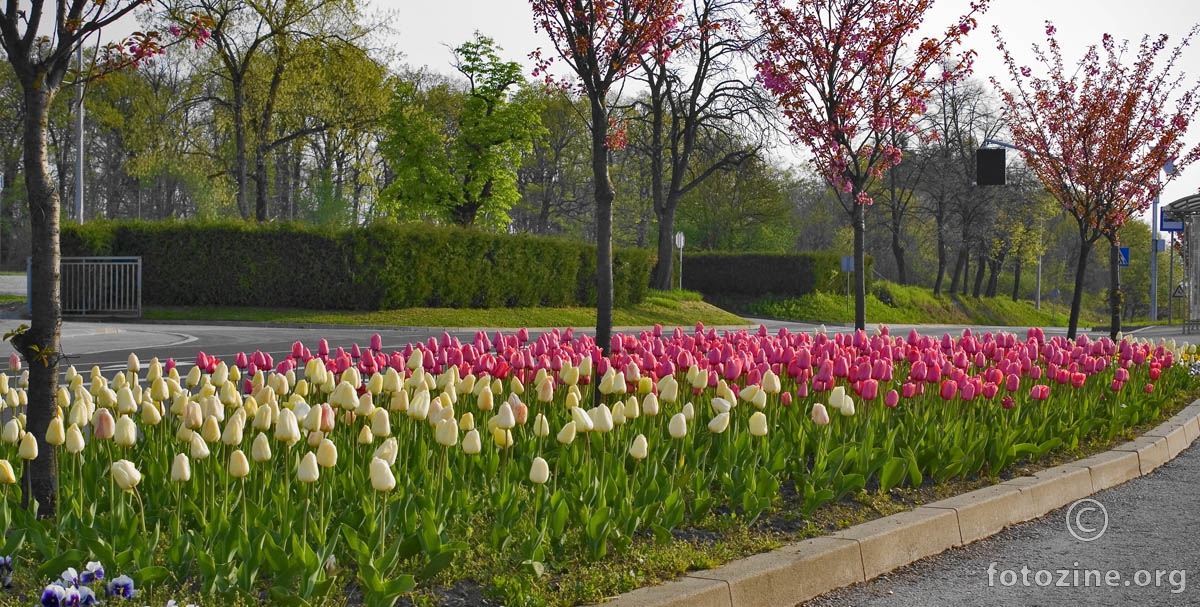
(462, 165)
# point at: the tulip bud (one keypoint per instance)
(181, 468)
(55, 434)
(516, 386)
(847, 407)
(382, 478)
(74, 440)
(29, 447)
(602, 419)
(125, 474)
(6, 473)
(678, 426)
(12, 432)
(820, 416)
(193, 416)
(758, 424)
(567, 434)
(471, 443)
(365, 406)
(103, 425)
(260, 450)
(387, 451)
(381, 424)
(446, 433)
(375, 384)
(639, 449)
(199, 448)
(210, 431)
(771, 383)
(151, 415)
(545, 390)
(618, 414)
(505, 418)
(719, 423)
(583, 421)
(365, 436)
(650, 405)
(539, 472)
(63, 397)
(541, 426)
(327, 454)
(287, 430)
(467, 422)
(572, 400)
(308, 472)
(125, 432)
(418, 409)
(503, 438)
(689, 411)
(720, 405)
(238, 466)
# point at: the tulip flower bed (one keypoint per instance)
(358, 475)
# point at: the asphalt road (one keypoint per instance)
(1148, 555)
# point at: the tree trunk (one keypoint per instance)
(240, 170)
(665, 268)
(960, 263)
(39, 480)
(898, 246)
(1115, 296)
(980, 266)
(941, 259)
(604, 204)
(1085, 248)
(1016, 292)
(860, 279)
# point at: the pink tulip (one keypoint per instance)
(785, 399)
(909, 389)
(1149, 388)
(891, 399)
(1007, 402)
(949, 389)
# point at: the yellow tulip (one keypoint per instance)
(446, 434)
(602, 419)
(387, 451)
(771, 383)
(125, 474)
(181, 468)
(287, 430)
(151, 415)
(758, 424)
(211, 430)
(381, 424)
(632, 409)
(308, 472)
(541, 426)
(471, 443)
(583, 421)
(399, 402)
(125, 432)
(261, 449)
(29, 447)
(391, 381)
(239, 467)
(419, 407)
(668, 390)
(375, 384)
(650, 405)
(503, 438)
(719, 423)
(344, 396)
(74, 441)
(678, 426)
(365, 436)
(198, 448)
(382, 478)
(365, 406)
(639, 449)
(567, 434)
(467, 422)
(539, 472)
(327, 454)
(689, 411)
(6, 473)
(314, 438)
(55, 434)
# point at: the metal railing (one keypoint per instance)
(99, 286)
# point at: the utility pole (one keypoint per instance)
(79, 132)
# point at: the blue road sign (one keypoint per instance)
(1124, 257)
(847, 263)
(1168, 225)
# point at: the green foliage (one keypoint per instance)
(891, 303)
(455, 153)
(382, 266)
(760, 274)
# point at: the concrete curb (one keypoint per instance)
(804, 570)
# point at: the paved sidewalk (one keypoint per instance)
(12, 285)
(1150, 545)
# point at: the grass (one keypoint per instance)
(675, 308)
(891, 303)
(11, 299)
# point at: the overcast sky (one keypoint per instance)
(425, 30)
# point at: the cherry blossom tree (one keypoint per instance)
(847, 80)
(39, 38)
(602, 41)
(1097, 133)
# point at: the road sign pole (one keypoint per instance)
(1171, 279)
(1154, 261)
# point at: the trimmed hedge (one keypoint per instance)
(761, 274)
(382, 266)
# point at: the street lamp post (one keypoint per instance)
(1169, 169)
